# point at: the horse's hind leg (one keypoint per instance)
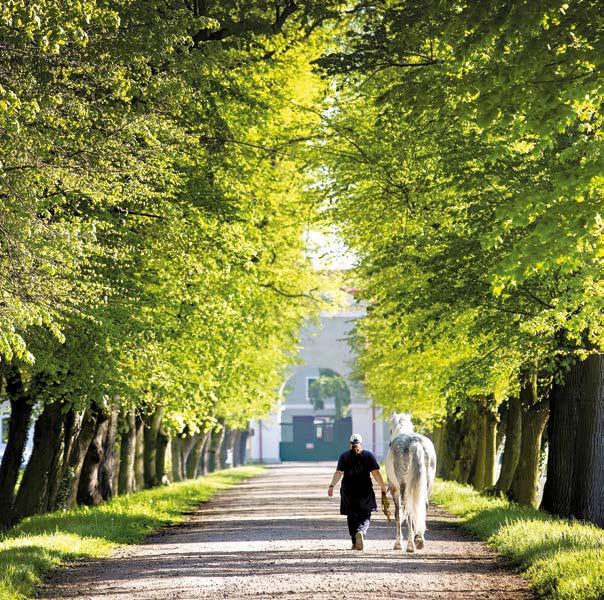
(410, 536)
(396, 495)
(418, 538)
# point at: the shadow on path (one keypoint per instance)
(280, 535)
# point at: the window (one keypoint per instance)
(309, 390)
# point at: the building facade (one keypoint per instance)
(310, 426)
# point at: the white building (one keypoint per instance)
(299, 429)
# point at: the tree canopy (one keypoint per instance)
(464, 149)
(153, 199)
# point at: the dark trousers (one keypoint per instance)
(358, 522)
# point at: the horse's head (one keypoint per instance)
(400, 423)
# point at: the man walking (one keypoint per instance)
(357, 499)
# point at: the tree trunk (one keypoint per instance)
(160, 456)
(55, 466)
(490, 449)
(205, 455)
(115, 482)
(466, 447)
(226, 452)
(139, 456)
(185, 449)
(89, 487)
(449, 447)
(511, 449)
(21, 408)
(107, 466)
(588, 487)
(127, 455)
(32, 496)
(438, 439)
(243, 447)
(80, 449)
(236, 448)
(501, 418)
(192, 466)
(562, 431)
(151, 431)
(177, 467)
(216, 449)
(61, 483)
(525, 484)
(478, 476)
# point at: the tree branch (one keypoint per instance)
(272, 287)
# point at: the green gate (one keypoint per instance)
(309, 438)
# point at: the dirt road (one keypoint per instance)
(279, 535)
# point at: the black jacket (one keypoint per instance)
(356, 491)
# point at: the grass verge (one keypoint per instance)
(562, 559)
(43, 542)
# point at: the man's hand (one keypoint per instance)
(330, 491)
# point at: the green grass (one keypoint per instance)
(43, 542)
(562, 559)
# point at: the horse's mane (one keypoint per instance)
(400, 423)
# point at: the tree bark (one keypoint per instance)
(32, 496)
(117, 467)
(243, 447)
(216, 449)
(89, 486)
(562, 431)
(160, 456)
(438, 439)
(525, 484)
(236, 448)
(185, 449)
(465, 451)
(177, 467)
(205, 455)
(588, 480)
(490, 449)
(511, 449)
(227, 449)
(449, 447)
(192, 466)
(478, 476)
(107, 466)
(139, 456)
(127, 455)
(501, 418)
(21, 407)
(80, 449)
(151, 431)
(61, 483)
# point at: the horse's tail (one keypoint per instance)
(416, 491)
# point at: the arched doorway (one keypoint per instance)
(315, 419)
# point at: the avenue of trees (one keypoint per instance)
(154, 278)
(160, 163)
(464, 153)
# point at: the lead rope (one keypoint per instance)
(386, 507)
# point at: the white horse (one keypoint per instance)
(410, 466)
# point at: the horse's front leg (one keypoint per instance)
(396, 495)
(410, 535)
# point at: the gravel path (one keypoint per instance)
(279, 535)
